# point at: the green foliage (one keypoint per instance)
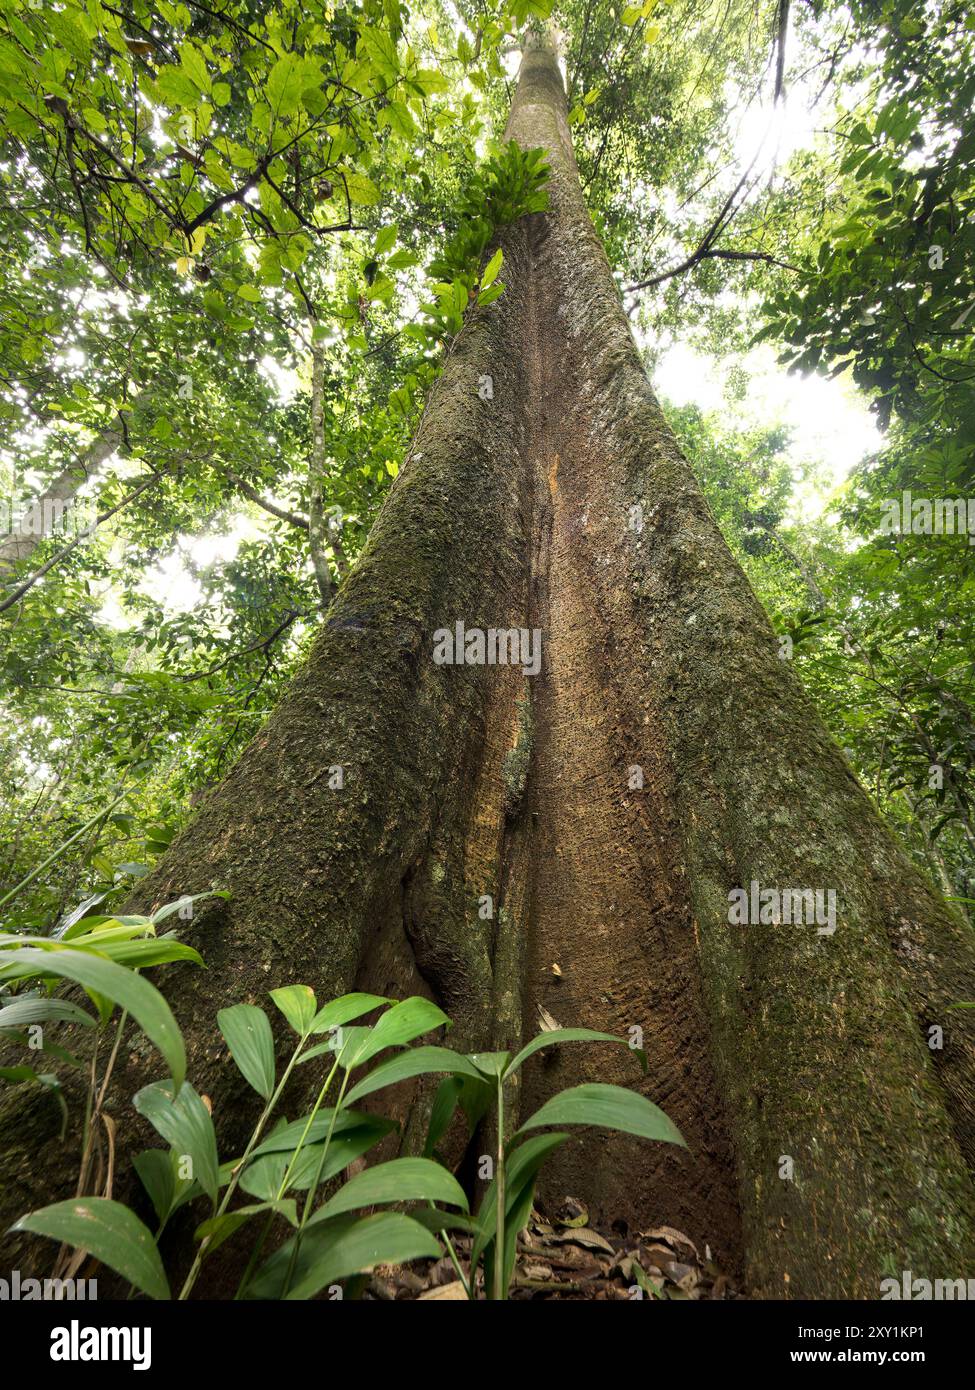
(109, 1232)
(102, 955)
(887, 294)
(510, 184)
(327, 1239)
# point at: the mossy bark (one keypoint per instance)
(517, 510)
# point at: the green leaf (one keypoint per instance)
(123, 987)
(609, 1107)
(418, 1061)
(298, 1004)
(139, 955)
(287, 1137)
(264, 1176)
(162, 913)
(399, 1025)
(386, 238)
(36, 1008)
(344, 1010)
(442, 1111)
(218, 1229)
(110, 1232)
(517, 1214)
(563, 1035)
(340, 1248)
(492, 269)
(158, 1177)
(185, 1123)
(361, 189)
(490, 1063)
(521, 1168)
(488, 296)
(283, 90)
(176, 88)
(399, 1180)
(247, 1033)
(435, 1220)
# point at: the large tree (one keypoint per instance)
(663, 756)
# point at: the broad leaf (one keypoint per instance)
(110, 1232)
(344, 1010)
(399, 1180)
(399, 1025)
(419, 1061)
(220, 1228)
(247, 1032)
(123, 987)
(185, 1123)
(608, 1107)
(340, 1248)
(298, 1004)
(263, 1177)
(564, 1035)
(36, 1008)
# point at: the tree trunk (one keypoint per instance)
(662, 757)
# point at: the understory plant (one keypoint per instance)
(309, 1231)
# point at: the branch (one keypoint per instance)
(260, 646)
(292, 518)
(705, 253)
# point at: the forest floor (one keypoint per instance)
(567, 1258)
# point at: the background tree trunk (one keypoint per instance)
(663, 756)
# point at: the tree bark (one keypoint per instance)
(662, 757)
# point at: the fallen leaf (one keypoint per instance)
(449, 1292)
(673, 1238)
(547, 1024)
(584, 1236)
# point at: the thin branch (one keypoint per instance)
(260, 646)
(292, 518)
(704, 253)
